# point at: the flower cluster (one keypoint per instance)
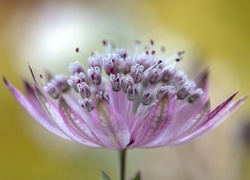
(124, 101)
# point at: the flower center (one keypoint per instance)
(143, 78)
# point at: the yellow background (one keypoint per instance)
(45, 33)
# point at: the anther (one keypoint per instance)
(87, 104)
(42, 79)
(151, 42)
(104, 42)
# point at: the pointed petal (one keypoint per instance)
(156, 122)
(74, 120)
(183, 130)
(217, 116)
(112, 129)
(34, 109)
(58, 119)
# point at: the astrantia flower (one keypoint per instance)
(122, 101)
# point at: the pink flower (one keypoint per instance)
(125, 101)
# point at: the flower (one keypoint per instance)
(125, 101)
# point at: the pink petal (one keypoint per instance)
(157, 121)
(34, 109)
(78, 125)
(217, 116)
(111, 128)
(58, 119)
(183, 130)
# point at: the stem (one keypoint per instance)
(122, 164)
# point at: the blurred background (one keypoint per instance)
(214, 34)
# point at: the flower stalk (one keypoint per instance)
(122, 164)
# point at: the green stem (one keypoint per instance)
(122, 164)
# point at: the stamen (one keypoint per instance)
(106, 44)
(87, 104)
(137, 44)
(147, 97)
(42, 79)
(79, 51)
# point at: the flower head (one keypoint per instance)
(125, 101)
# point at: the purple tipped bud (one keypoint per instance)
(75, 68)
(126, 82)
(51, 89)
(184, 92)
(137, 72)
(76, 79)
(147, 97)
(155, 74)
(115, 82)
(87, 104)
(169, 90)
(196, 95)
(100, 94)
(95, 74)
(111, 64)
(84, 90)
(132, 92)
(60, 82)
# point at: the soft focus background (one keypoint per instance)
(215, 34)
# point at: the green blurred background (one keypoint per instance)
(214, 34)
